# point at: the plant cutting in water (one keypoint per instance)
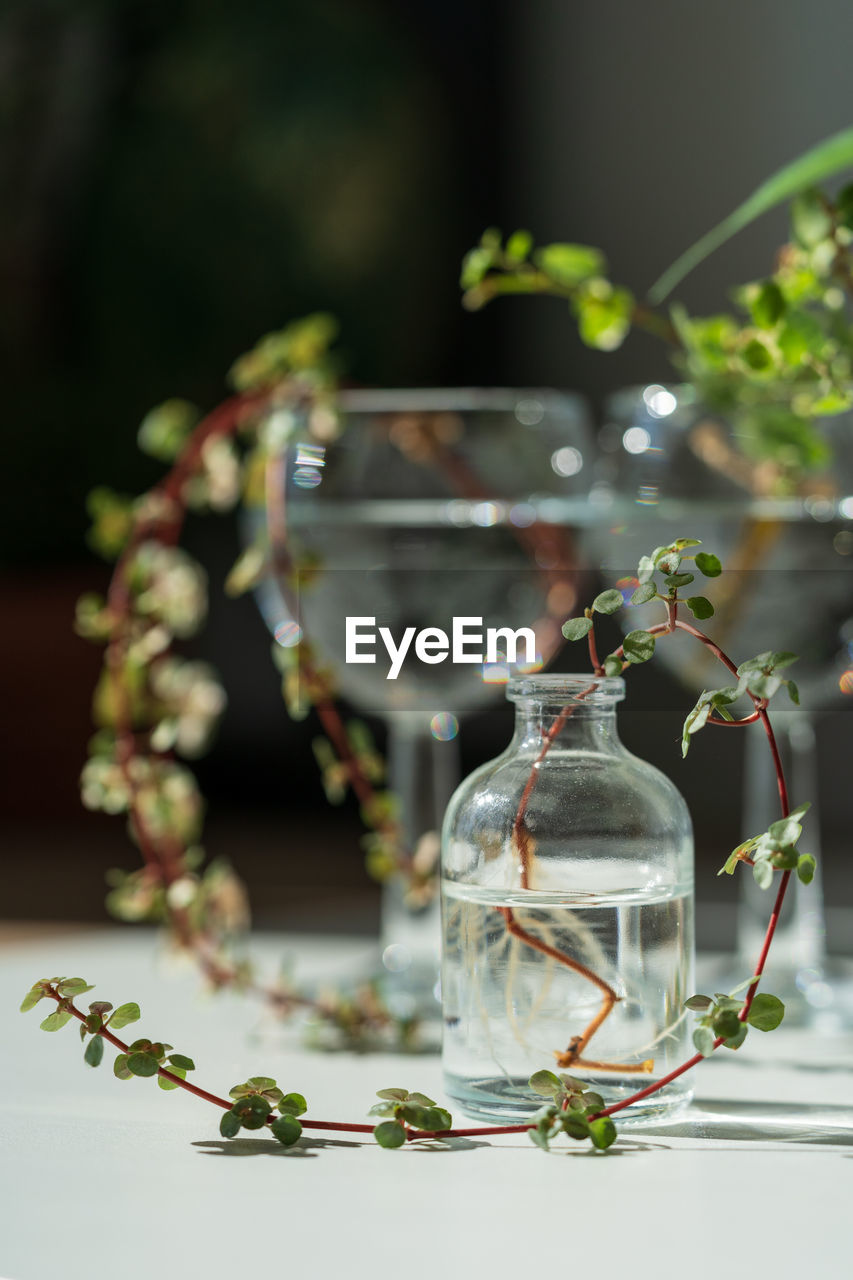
(575, 1109)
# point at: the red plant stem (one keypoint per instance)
(734, 724)
(593, 653)
(519, 834)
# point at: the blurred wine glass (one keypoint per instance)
(429, 506)
(671, 469)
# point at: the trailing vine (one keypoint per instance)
(573, 1109)
(152, 705)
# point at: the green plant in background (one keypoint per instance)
(777, 364)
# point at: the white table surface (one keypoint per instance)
(102, 1177)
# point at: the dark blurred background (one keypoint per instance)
(179, 177)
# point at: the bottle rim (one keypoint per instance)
(561, 687)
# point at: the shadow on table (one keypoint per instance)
(305, 1148)
(791, 1122)
(310, 1146)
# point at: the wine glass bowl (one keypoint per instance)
(429, 507)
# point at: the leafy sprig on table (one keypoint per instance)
(258, 1103)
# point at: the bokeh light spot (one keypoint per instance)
(444, 726)
(566, 461)
(636, 440)
(659, 402)
(485, 514)
(288, 634)
(529, 412)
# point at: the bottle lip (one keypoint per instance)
(563, 688)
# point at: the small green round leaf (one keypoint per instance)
(575, 1125)
(644, 593)
(229, 1125)
(603, 1132)
(703, 1039)
(426, 1118)
(768, 306)
(518, 245)
(677, 580)
(73, 986)
(142, 1064)
(612, 665)
(120, 1068)
(124, 1014)
(756, 355)
(178, 1060)
(725, 1023)
(806, 865)
(293, 1104)
(390, 1134)
(608, 601)
(708, 564)
(698, 1003)
(645, 569)
(576, 628)
(700, 607)
(287, 1129)
(638, 646)
(32, 998)
(763, 874)
(54, 1021)
(94, 1051)
(766, 1012)
(545, 1083)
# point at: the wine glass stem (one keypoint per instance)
(423, 773)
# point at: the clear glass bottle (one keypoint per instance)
(567, 912)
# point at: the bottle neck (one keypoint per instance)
(567, 725)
